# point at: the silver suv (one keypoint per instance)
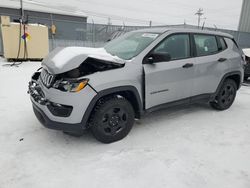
(105, 89)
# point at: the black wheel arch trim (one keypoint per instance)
(238, 73)
(110, 91)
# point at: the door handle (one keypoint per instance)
(222, 59)
(188, 65)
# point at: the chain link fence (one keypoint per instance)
(96, 35)
(87, 35)
(74, 33)
(242, 38)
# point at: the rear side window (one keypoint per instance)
(222, 44)
(177, 46)
(205, 44)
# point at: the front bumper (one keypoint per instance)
(60, 110)
(46, 122)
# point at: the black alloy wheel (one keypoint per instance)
(112, 119)
(225, 96)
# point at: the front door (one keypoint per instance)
(170, 81)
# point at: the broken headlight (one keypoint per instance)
(70, 85)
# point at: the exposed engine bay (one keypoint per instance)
(89, 66)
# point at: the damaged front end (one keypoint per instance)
(90, 66)
(66, 69)
(75, 80)
(57, 89)
(69, 74)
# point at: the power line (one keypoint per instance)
(101, 15)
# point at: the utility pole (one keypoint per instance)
(22, 11)
(203, 25)
(199, 13)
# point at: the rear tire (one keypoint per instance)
(112, 119)
(225, 96)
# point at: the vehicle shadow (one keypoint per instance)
(173, 113)
(162, 117)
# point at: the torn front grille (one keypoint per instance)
(47, 78)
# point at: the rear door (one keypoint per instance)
(211, 63)
(170, 81)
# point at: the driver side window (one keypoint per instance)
(177, 46)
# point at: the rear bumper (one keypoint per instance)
(48, 123)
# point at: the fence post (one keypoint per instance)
(150, 23)
(93, 33)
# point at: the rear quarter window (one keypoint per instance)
(231, 43)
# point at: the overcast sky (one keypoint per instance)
(222, 13)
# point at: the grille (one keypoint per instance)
(46, 78)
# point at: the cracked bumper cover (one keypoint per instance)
(46, 122)
(60, 110)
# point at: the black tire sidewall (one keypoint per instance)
(98, 115)
(219, 105)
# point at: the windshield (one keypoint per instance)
(130, 44)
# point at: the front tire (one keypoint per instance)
(225, 96)
(112, 119)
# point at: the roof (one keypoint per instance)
(15, 4)
(161, 30)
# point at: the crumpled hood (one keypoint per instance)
(65, 59)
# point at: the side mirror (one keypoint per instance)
(157, 57)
